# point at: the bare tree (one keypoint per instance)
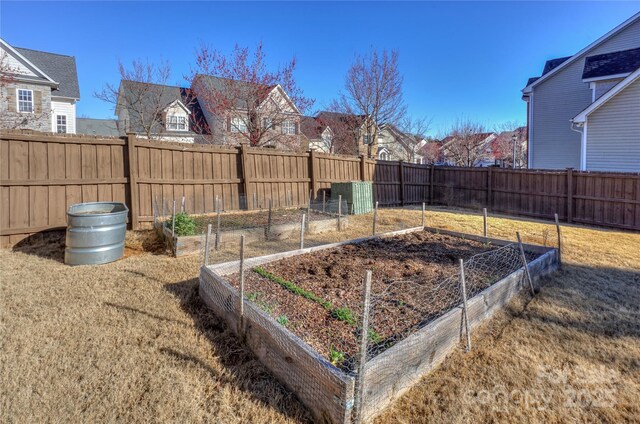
(345, 128)
(141, 97)
(240, 93)
(511, 143)
(432, 152)
(414, 136)
(467, 144)
(13, 119)
(373, 88)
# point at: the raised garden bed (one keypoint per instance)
(298, 304)
(254, 225)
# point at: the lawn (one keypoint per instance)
(131, 340)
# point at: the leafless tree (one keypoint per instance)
(240, 92)
(414, 136)
(15, 119)
(345, 128)
(373, 88)
(466, 144)
(511, 139)
(143, 94)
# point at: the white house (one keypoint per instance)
(39, 90)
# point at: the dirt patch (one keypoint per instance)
(405, 270)
(257, 219)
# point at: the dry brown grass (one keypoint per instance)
(131, 341)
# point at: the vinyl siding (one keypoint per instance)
(613, 133)
(63, 107)
(604, 86)
(557, 100)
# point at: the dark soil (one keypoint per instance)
(406, 270)
(256, 219)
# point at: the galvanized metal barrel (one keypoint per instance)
(95, 233)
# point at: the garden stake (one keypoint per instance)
(309, 205)
(375, 218)
(206, 245)
(173, 221)
(559, 240)
(524, 262)
(463, 288)
(363, 347)
(423, 212)
(484, 227)
(339, 212)
(164, 218)
(218, 230)
(241, 329)
(268, 235)
(324, 202)
(302, 231)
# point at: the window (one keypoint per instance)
(61, 123)
(25, 101)
(238, 125)
(367, 137)
(288, 127)
(267, 123)
(177, 123)
(383, 155)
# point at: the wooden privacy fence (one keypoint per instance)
(41, 175)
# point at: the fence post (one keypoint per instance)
(559, 239)
(132, 165)
(490, 188)
(423, 212)
(245, 175)
(362, 361)
(309, 204)
(526, 266)
(463, 288)
(375, 217)
(302, 223)
(241, 272)
(569, 195)
(173, 221)
(206, 245)
(313, 172)
(431, 175)
(484, 226)
(363, 168)
(401, 168)
(218, 227)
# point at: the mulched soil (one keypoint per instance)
(415, 263)
(256, 219)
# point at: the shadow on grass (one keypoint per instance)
(46, 244)
(248, 373)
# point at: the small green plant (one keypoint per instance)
(373, 336)
(344, 314)
(253, 296)
(184, 224)
(335, 356)
(283, 320)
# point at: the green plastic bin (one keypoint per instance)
(357, 194)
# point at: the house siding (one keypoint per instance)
(613, 133)
(63, 107)
(557, 100)
(40, 120)
(604, 86)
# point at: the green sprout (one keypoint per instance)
(335, 356)
(283, 320)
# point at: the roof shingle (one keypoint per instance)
(59, 67)
(615, 63)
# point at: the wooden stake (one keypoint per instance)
(484, 227)
(362, 361)
(206, 245)
(302, 224)
(463, 288)
(218, 230)
(559, 240)
(173, 221)
(339, 212)
(375, 217)
(524, 262)
(423, 212)
(164, 218)
(268, 235)
(324, 201)
(309, 204)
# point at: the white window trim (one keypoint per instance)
(33, 100)
(290, 127)
(177, 123)
(236, 128)
(66, 123)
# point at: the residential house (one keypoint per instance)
(471, 150)
(510, 144)
(341, 133)
(394, 144)
(583, 111)
(38, 90)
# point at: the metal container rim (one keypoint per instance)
(79, 215)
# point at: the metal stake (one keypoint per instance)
(218, 230)
(559, 240)
(206, 245)
(309, 204)
(359, 389)
(463, 288)
(304, 216)
(423, 212)
(524, 262)
(375, 218)
(484, 227)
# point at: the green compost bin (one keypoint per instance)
(357, 194)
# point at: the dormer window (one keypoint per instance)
(288, 127)
(176, 123)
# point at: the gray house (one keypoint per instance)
(583, 112)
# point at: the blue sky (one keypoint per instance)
(459, 59)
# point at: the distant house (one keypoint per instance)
(468, 150)
(39, 90)
(583, 111)
(341, 133)
(394, 144)
(98, 127)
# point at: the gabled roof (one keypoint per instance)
(576, 56)
(60, 68)
(326, 117)
(552, 64)
(616, 63)
(582, 116)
